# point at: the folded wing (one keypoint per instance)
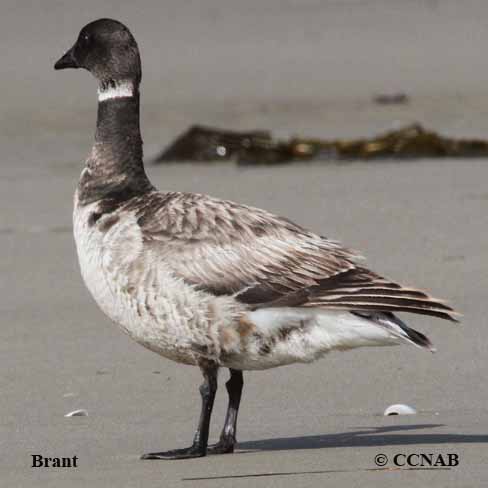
(266, 260)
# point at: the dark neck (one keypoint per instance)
(118, 122)
(115, 166)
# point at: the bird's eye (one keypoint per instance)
(86, 38)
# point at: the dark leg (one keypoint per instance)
(200, 441)
(228, 436)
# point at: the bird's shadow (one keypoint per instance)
(365, 437)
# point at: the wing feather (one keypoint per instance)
(266, 260)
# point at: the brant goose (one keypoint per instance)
(209, 282)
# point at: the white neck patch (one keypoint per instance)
(120, 90)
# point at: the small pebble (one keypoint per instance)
(400, 409)
(77, 413)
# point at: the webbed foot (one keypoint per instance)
(186, 453)
(224, 446)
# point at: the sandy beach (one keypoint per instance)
(294, 67)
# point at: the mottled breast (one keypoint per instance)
(107, 247)
(130, 282)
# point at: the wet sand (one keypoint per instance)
(309, 68)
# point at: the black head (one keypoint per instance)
(107, 49)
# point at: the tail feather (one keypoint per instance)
(398, 328)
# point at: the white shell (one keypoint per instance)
(77, 413)
(400, 409)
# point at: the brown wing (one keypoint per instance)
(266, 260)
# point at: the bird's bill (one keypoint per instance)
(67, 60)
